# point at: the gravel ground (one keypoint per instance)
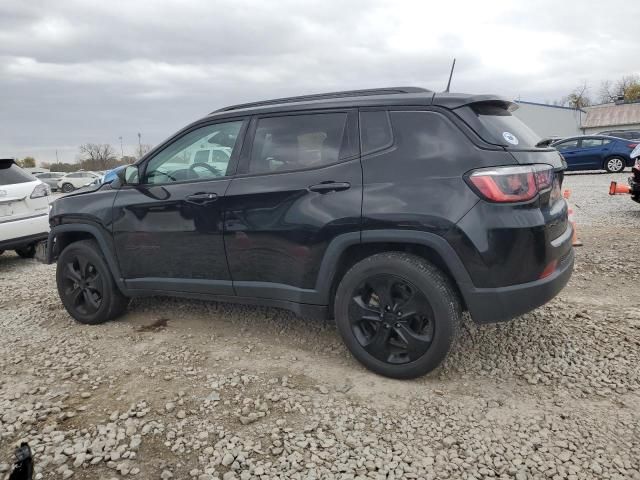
(187, 389)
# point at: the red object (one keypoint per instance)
(632, 145)
(549, 269)
(512, 184)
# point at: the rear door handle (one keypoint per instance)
(202, 197)
(326, 187)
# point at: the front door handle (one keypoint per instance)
(202, 198)
(326, 187)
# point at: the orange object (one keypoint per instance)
(574, 239)
(615, 189)
(566, 194)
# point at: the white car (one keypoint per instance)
(74, 180)
(24, 210)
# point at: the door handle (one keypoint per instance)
(326, 187)
(202, 198)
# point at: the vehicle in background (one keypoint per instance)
(72, 181)
(390, 210)
(24, 209)
(628, 134)
(545, 142)
(51, 179)
(596, 152)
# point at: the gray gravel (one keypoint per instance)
(184, 389)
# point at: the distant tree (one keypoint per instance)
(27, 162)
(97, 156)
(579, 97)
(127, 160)
(632, 92)
(142, 150)
(64, 167)
(628, 88)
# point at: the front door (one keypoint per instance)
(168, 230)
(592, 152)
(299, 185)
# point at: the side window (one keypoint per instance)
(299, 141)
(203, 153)
(606, 141)
(375, 131)
(591, 142)
(568, 145)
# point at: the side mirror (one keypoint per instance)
(130, 175)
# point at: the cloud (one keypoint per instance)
(73, 71)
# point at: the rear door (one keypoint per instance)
(168, 229)
(570, 151)
(592, 152)
(299, 185)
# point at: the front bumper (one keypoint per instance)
(16, 233)
(491, 305)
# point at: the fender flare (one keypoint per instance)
(99, 236)
(329, 265)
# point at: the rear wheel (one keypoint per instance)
(67, 187)
(27, 252)
(614, 165)
(86, 286)
(398, 314)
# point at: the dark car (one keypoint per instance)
(627, 134)
(596, 152)
(392, 210)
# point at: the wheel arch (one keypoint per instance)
(614, 155)
(62, 236)
(429, 246)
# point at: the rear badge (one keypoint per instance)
(510, 137)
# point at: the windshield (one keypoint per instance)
(496, 124)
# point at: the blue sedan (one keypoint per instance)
(596, 152)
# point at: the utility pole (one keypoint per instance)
(121, 149)
(139, 144)
(57, 160)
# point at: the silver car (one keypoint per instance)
(50, 178)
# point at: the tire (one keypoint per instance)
(27, 252)
(67, 187)
(85, 284)
(412, 277)
(614, 165)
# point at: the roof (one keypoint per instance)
(370, 97)
(612, 115)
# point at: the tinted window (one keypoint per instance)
(568, 145)
(496, 124)
(10, 174)
(591, 142)
(375, 131)
(298, 142)
(203, 153)
(74, 175)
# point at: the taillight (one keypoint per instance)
(632, 145)
(511, 184)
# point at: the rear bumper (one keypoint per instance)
(490, 305)
(21, 232)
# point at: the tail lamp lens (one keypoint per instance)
(512, 184)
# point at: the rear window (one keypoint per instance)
(496, 124)
(10, 173)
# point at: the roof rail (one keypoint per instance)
(323, 96)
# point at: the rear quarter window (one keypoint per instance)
(10, 174)
(495, 123)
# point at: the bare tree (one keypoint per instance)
(579, 97)
(98, 156)
(27, 162)
(143, 149)
(628, 88)
(607, 92)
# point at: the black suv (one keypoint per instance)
(392, 210)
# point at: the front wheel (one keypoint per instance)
(67, 187)
(398, 314)
(614, 165)
(86, 286)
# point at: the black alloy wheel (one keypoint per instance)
(391, 319)
(83, 287)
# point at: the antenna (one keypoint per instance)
(450, 75)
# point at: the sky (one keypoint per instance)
(73, 72)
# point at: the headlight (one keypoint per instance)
(41, 190)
